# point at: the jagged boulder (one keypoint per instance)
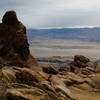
(80, 61)
(14, 47)
(81, 58)
(50, 70)
(81, 65)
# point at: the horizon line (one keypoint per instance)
(90, 27)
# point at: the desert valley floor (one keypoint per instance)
(64, 48)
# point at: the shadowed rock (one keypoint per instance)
(50, 70)
(81, 61)
(10, 18)
(14, 47)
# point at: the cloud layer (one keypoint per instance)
(54, 13)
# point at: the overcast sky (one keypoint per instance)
(54, 13)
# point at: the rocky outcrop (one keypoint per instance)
(21, 80)
(79, 79)
(14, 47)
(82, 77)
(50, 70)
(26, 84)
(80, 64)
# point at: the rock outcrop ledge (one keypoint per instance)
(22, 79)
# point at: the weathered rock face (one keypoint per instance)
(14, 47)
(82, 77)
(79, 64)
(80, 61)
(50, 70)
(26, 84)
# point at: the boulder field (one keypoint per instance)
(21, 78)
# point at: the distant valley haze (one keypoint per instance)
(65, 42)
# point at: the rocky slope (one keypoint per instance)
(22, 79)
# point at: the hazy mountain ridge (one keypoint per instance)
(83, 34)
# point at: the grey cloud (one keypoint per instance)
(54, 13)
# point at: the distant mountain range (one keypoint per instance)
(82, 34)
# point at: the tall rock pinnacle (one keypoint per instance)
(14, 47)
